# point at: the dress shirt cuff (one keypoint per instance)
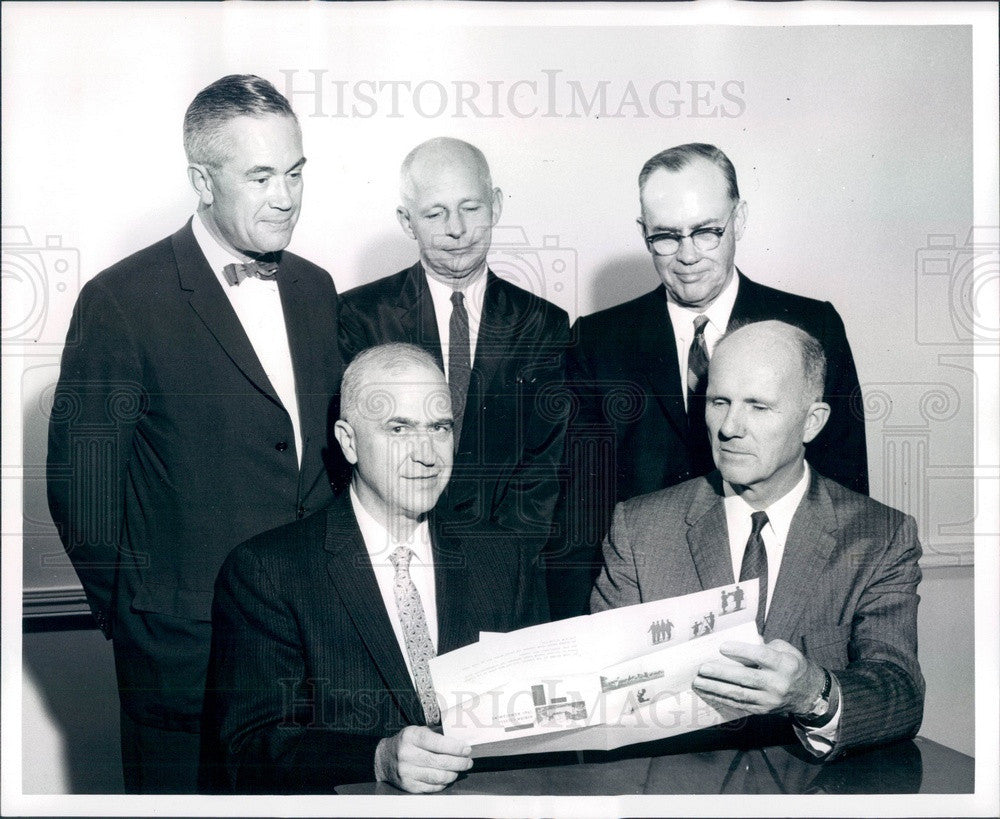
(819, 735)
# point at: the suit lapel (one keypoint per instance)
(810, 543)
(302, 332)
(451, 585)
(708, 535)
(415, 313)
(210, 303)
(351, 572)
(495, 335)
(749, 306)
(656, 358)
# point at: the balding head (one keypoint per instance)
(395, 429)
(764, 403)
(430, 159)
(449, 206)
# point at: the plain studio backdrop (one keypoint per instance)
(853, 146)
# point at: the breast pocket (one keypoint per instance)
(826, 644)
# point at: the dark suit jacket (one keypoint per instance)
(630, 432)
(307, 675)
(168, 446)
(846, 593)
(512, 432)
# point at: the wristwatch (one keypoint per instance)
(822, 703)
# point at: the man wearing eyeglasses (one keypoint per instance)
(640, 369)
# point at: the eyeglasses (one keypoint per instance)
(707, 238)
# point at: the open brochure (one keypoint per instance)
(595, 682)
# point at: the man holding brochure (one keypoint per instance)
(323, 629)
(838, 571)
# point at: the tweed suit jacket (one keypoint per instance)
(846, 593)
(306, 673)
(630, 433)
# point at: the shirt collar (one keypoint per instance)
(474, 291)
(379, 542)
(217, 255)
(779, 513)
(717, 313)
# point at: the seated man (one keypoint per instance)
(838, 571)
(322, 629)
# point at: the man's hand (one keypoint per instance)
(771, 678)
(418, 760)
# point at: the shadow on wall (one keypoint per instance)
(70, 732)
(389, 253)
(617, 280)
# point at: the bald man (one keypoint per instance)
(322, 630)
(501, 347)
(838, 571)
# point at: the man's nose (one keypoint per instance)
(687, 252)
(423, 449)
(732, 423)
(279, 195)
(455, 226)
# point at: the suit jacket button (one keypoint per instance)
(281, 446)
(300, 512)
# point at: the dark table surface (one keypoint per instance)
(917, 766)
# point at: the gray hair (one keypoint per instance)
(438, 149)
(810, 349)
(236, 95)
(680, 156)
(385, 360)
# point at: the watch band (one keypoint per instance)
(822, 703)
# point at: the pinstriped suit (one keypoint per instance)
(846, 593)
(306, 674)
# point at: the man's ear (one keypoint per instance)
(740, 220)
(816, 417)
(642, 228)
(497, 205)
(403, 215)
(201, 181)
(344, 433)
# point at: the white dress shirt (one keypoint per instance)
(258, 307)
(682, 320)
(819, 740)
(380, 543)
(475, 293)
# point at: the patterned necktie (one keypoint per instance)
(697, 381)
(698, 359)
(235, 273)
(416, 635)
(755, 563)
(459, 360)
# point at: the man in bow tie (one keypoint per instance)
(324, 628)
(191, 414)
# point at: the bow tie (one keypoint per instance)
(235, 273)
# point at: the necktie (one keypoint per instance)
(697, 373)
(459, 360)
(416, 635)
(755, 563)
(697, 381)
(235, 273)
